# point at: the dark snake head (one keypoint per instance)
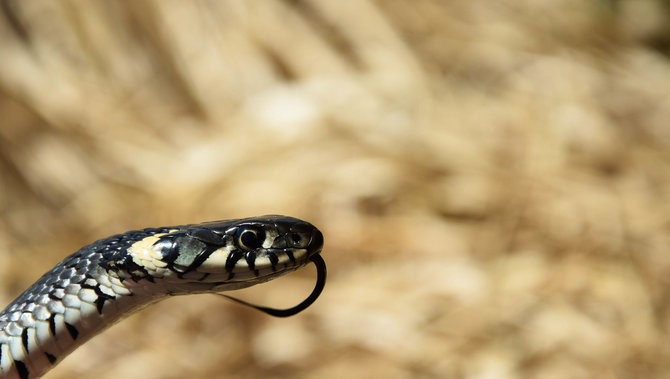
(231, 254)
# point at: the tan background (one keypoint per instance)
(492, 177)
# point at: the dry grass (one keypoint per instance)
(492, 177)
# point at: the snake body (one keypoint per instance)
(112, 277)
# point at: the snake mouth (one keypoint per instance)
(315, 244)
(321, 274)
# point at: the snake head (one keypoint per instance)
(230, 254)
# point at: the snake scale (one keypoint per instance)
(112, 277)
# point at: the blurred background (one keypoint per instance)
(492, 178)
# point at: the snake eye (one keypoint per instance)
(250, 239)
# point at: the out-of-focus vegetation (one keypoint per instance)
(492, 177)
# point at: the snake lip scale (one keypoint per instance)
(115, 276)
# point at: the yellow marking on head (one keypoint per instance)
(216, 262)
(148, 255)
(298, 254)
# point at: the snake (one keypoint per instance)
(113, 277)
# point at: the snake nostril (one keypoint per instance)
(316, 243)
(296, 238)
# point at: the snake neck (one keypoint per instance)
(74, 301)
